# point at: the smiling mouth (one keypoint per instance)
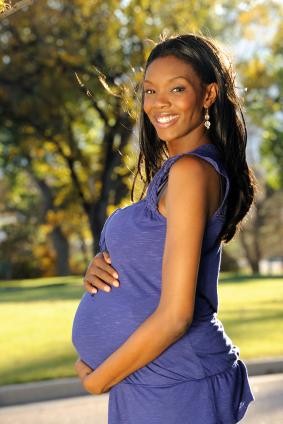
(166, 120)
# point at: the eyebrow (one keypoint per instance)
(171, 79)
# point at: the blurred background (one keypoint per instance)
(69, 72)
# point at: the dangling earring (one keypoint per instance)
(206, 119)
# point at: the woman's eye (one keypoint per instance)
(175, 90)
(178, 89)
(148, 91)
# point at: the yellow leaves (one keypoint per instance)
(55, 218)
(256, 67)
(70, 220)
(45, 257)
(6, 9)
(69, 58)
(257, 14)
(255, 74)
(4, 5)
(253, 18)
(276, 107)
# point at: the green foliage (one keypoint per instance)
(76, 152)
(263, 76)
(17, 259)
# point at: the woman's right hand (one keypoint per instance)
(100, 275)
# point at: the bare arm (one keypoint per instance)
(187, 210)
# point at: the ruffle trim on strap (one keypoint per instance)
(208, 152)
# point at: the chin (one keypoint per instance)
(169, 137)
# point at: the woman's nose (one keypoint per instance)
(161, 100)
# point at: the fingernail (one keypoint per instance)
(115, 275)
(116, 283)
(107, 289)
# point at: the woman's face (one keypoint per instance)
(173, 98)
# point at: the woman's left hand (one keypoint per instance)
(82, 369)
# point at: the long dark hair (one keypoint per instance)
(227, 132)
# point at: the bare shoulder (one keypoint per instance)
(189, 169)
(187, 192)
(193, 183)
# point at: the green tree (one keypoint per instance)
(78, 149)
(75, 147)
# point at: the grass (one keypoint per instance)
(37, 315)
(36, 336)
(251, 311)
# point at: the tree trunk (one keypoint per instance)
(59, 240)
(252, 248)
(61, 245)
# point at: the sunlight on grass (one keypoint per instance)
(252, 315)
(38, 314)
(36, 338)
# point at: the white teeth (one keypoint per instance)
(165, 119)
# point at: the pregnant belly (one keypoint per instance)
(105, 321)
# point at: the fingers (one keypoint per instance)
(103, 270)
(92, 283)
(106, 256)
(89, 287)
(100, 275)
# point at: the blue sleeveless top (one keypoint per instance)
(199, 379)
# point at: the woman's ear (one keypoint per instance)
(210, 95)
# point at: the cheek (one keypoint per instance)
(146, 105)
(190, 105)
(147, 109)
(187, 103)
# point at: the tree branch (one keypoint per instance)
(18, 6)
(86, 91)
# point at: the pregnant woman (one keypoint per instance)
(155, 341)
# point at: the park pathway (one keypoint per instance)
(89, 409)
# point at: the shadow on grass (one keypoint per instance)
(56, 365)
(255, 324)
(255, 316)
(71, 288)
(13, 288)
(243, 278)
(63, 291)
